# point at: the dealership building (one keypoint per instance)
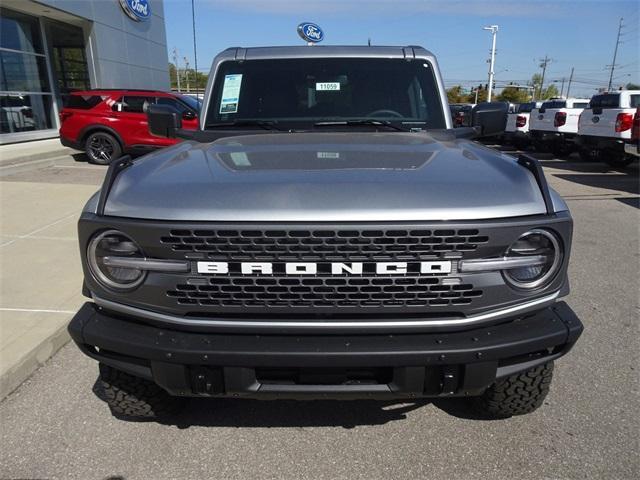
(49, 48)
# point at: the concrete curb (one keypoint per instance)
(31, 360)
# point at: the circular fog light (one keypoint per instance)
(115, 244)
(535, 243)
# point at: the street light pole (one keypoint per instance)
(494, 32)
(175, 61)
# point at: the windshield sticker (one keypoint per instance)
(230, 93)
(332, 155)
(328, 87)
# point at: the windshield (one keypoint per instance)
(195, 104)
(526, 107)
(304, 91)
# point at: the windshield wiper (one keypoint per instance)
(363, 121)
(264, 124)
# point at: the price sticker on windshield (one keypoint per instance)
(230, 93)
(328, 87)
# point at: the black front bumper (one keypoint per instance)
(326, 366)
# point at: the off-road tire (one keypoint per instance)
(516, 395)
(135, 398)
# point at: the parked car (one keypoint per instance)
(461, 114)
(326, 233)
(517, 129)
(554, 126)
(107, 123)
(606, 128)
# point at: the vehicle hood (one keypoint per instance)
(321, 176)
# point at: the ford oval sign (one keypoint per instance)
(138, 10)
(310, 32)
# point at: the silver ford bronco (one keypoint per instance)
(326, 233)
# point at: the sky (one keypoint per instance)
(580, 34)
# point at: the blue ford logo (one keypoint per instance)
(138, 10)
(310, 32)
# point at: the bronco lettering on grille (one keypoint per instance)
(334, 268)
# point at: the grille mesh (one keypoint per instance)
(333, 292)
(319, 245)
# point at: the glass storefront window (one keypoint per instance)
(24, 113)
(23, 72)
(26, 99)
(19, 32)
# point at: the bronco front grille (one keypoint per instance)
(336, 292)
(319, 245)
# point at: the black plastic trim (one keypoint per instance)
(532, 164)
(112, 173)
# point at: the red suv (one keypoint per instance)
(107, 123)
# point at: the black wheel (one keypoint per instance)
(560, 150)
(135, 398)
(516, 395)
(617, 159)
(540, 147)
(102, 148)
(589, 154)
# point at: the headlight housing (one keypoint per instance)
(540, 243)
(114, 243)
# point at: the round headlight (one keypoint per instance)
(535, 243)
(114, 243)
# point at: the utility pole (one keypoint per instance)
(570, 80)
(494, 32)
(615, 55)
(186, 72)
(544, 62)
(562, 87)
(195, 50)
(175, 61)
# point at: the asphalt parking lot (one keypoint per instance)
(55, 426)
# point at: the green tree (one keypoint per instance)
(632, 86)
(549, 92)
(456, 94)
(514, 95)
(188, 79)
(172, 76)
(482, 95)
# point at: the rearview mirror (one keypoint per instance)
(164, 121)
(490, 119)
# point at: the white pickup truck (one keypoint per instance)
(554, 125)
(517, 129)
(606, 128)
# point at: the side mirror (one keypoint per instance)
(164, 120)
(188, 115)
(490, 119)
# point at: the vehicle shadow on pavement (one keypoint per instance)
(237, 412)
